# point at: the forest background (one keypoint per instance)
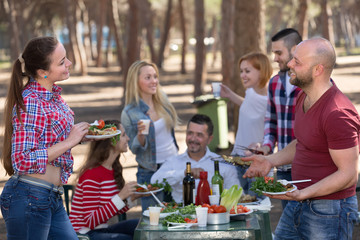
(206, 37)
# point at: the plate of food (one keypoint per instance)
(177, 219)
(232, 160)
(143, 191)
(100, 130)
(247, 199)
(266, 185)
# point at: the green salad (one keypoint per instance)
(173, 218)
(188, 210)
(266, 185)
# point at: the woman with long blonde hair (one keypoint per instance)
(145, 100)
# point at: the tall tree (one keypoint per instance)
(147, 23)
(183, 28)
(115, 23)
(132, 50)
(9, 7)
(246, 39)
(303, 21)
(99, 30)
(327, 24)
(165, 33)
(200, 67)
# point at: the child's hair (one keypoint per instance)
(260, 62)
(99, 152)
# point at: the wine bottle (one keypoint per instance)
(217, 181)
(188, 186)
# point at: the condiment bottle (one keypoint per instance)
(203, 190)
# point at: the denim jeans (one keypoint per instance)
(318, 219)
(144, 175)
(123, 230)
(32, 212)
(287, 176)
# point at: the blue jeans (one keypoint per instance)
(32, 212)
(287, 176)
(318, 219)
(123, 230)
(144, 175)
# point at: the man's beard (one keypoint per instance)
(194, 149)
(301, 83)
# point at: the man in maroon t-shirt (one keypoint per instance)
(326, 150)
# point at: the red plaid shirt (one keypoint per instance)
(47, 121)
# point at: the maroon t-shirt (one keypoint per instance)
(331, 123)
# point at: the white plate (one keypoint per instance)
(281, 193)
(162, 215)
(239, 214)
(145, 193)
(103, 136)
(185, 224)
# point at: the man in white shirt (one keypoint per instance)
(198, 136)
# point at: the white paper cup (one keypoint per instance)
(216, 89)
(201, 215)
(146, 122)
(154, 214)
(214, 199)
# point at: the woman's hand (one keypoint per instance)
(127, 190)
(77, 133)
(225, 91)
(141, 137)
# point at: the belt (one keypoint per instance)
(39, 183)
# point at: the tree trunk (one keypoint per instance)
(200, 61)
(71, 25)
(213, 34)
(254, 39)
(108, 51)
(147, 23)
(13, 29)
(79, 42)
(327, 26)
(99, 28)
(86, 35)
(303, 19)
(132, 49)
(115, 22)
(165, 34)
(184, 37)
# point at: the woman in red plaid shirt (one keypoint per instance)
(39, 135)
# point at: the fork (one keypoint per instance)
(250, 150)
(145, 187)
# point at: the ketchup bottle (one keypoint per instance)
(203, 190)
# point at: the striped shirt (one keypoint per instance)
(280, 115)
(46, 121)
(96, 200)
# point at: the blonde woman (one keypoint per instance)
(146, 100)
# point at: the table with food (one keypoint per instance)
(202, 215)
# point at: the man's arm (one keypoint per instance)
(261, 165)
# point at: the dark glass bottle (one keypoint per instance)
(188, 186)
(217, 181)
(203, 190)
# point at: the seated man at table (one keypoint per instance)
(198, 136)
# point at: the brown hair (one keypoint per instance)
(36, 56)
(260, 62)
(99, 152)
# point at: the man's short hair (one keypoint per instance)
(203, 119)
(290, 36)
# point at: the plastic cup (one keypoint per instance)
(216, 89)
(201, 215)
(146, 122)
(214, 199)
(154, 214)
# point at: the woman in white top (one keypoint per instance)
(145, 99)
(255, 72)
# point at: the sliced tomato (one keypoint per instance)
(232, 211)
(114, 128)
(211, 210)
(220, 209)
(268, 179)
(206, 205)
(101, 124)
